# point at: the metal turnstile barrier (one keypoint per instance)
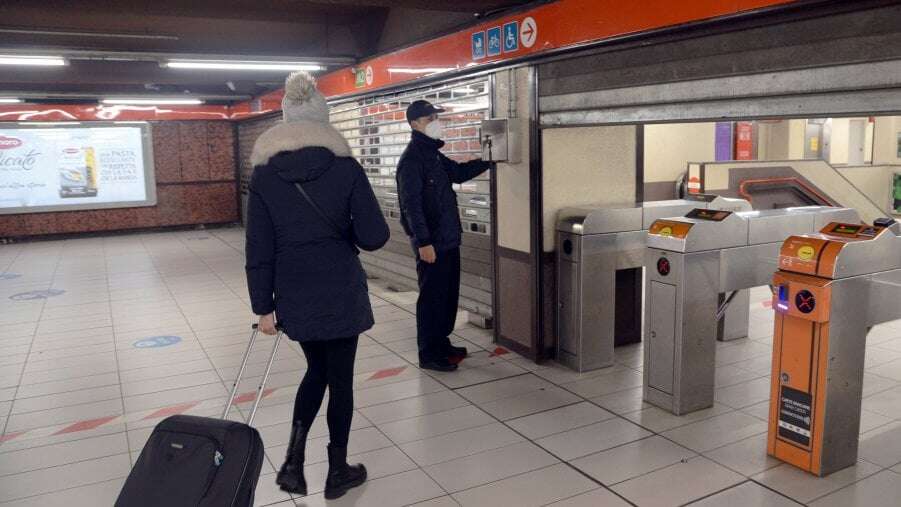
(691, 262)
(831, 288)
(600, 257)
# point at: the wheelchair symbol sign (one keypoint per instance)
(511, 37)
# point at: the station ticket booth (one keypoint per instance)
(690, 262)
(831, 288)
(600, 256)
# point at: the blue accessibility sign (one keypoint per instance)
(156, 341)
(478, 45)
(511, 37)
(494, 41)
(36, 294)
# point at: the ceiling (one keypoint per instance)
(114, 47)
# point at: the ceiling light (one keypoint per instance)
(152, 102)
(50, 61)
(10, 101)
(243, 65)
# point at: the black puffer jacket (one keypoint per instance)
(296, 265)
(428, 203)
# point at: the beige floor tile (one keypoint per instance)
(459, 444)
(432, 425)
(879, 489)
(598, 497)
(413, 407)
(559, 420)
(48, 480)
(533, 489)
(747, 457)
(631, 460)
(92, 495)
(717, 431)
(591, 439)
(678, 484)
(37, 458)
(882, 445)
(804, 487)
(530, 403)
(393, 491)
(622, 402)
(747, 494)
(659, 420)
(489, 466)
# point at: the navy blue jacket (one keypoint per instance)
(428, 203)
(297, 265)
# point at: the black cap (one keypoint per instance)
(420, 108)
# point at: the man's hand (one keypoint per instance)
(427, 254)
(267, 324)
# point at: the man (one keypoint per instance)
(430, 217)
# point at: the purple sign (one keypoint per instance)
(723, 143)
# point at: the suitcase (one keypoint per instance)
(192, 461)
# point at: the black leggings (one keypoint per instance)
(330, 363)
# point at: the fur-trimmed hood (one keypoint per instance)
(295, 136)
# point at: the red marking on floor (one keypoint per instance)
(248, 397)
(390, 372)
(10, 436)
(86, 425)
(767, 303)
(455, 359)
(499, 352)
(173, 410)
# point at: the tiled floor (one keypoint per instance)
(79, 396)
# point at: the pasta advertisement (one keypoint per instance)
(53, 169)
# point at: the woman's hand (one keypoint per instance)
(267, 324)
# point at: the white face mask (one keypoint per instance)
(434, 129)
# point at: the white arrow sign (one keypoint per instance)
(528, 32)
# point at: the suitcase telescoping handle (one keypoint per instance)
(259, 396)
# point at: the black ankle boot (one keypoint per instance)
(290, 477)
(341, 476)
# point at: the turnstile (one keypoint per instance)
(831, 288)
(600, 256)
(691, 261)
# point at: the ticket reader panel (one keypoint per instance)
(821, 322)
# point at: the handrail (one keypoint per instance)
(743, 187)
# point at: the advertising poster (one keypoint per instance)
(723, 141)
(50, 169)
(744, 140)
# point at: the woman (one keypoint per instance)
(302, 265)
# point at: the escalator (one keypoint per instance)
(783, 184)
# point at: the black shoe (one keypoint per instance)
(341, 476)
(438, 365)
(290, 477)
(457, 352)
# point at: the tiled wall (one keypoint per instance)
(195, 184)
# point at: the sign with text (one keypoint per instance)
(56, 168)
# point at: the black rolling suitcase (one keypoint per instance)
(194, 461)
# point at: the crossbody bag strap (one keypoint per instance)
(319, 211)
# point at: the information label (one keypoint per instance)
(795, 416)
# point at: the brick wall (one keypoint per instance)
(195, 184)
